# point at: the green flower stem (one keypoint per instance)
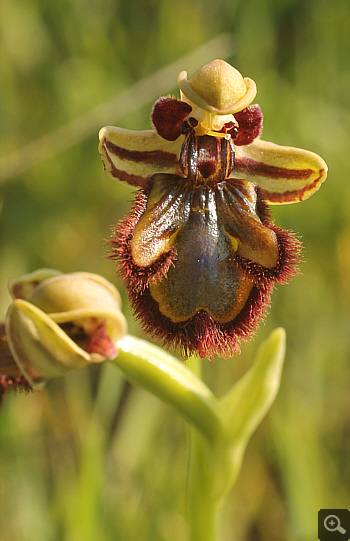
(202, 502)
(223, 427)
(202, 507)
(171, 381)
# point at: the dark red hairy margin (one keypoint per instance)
(290, 249)
(136, 278)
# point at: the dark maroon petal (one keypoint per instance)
(250, 125)
(167, 116)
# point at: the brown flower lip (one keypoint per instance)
(199, 252)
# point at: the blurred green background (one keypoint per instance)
(90, 457)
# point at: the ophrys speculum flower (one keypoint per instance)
(199, 252)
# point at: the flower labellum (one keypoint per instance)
(199, 251)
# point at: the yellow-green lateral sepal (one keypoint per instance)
(41, 349)
(134, 156)
(284, 174)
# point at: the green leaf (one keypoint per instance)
(245, 405)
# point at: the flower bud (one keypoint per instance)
(59, 322)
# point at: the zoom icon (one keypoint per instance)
(334, 524)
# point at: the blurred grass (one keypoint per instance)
(90, 457)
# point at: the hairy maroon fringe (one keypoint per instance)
(201, 334)
(17, 383)
(136, 278)
(290, 249)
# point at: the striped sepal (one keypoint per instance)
(134, 156)
(284, 174)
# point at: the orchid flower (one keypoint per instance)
(199, 251)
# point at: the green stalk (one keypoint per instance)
(202, 505)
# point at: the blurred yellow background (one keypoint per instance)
(91, 458)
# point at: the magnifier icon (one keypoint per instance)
(332, 524)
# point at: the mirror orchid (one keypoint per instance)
(199, 252)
